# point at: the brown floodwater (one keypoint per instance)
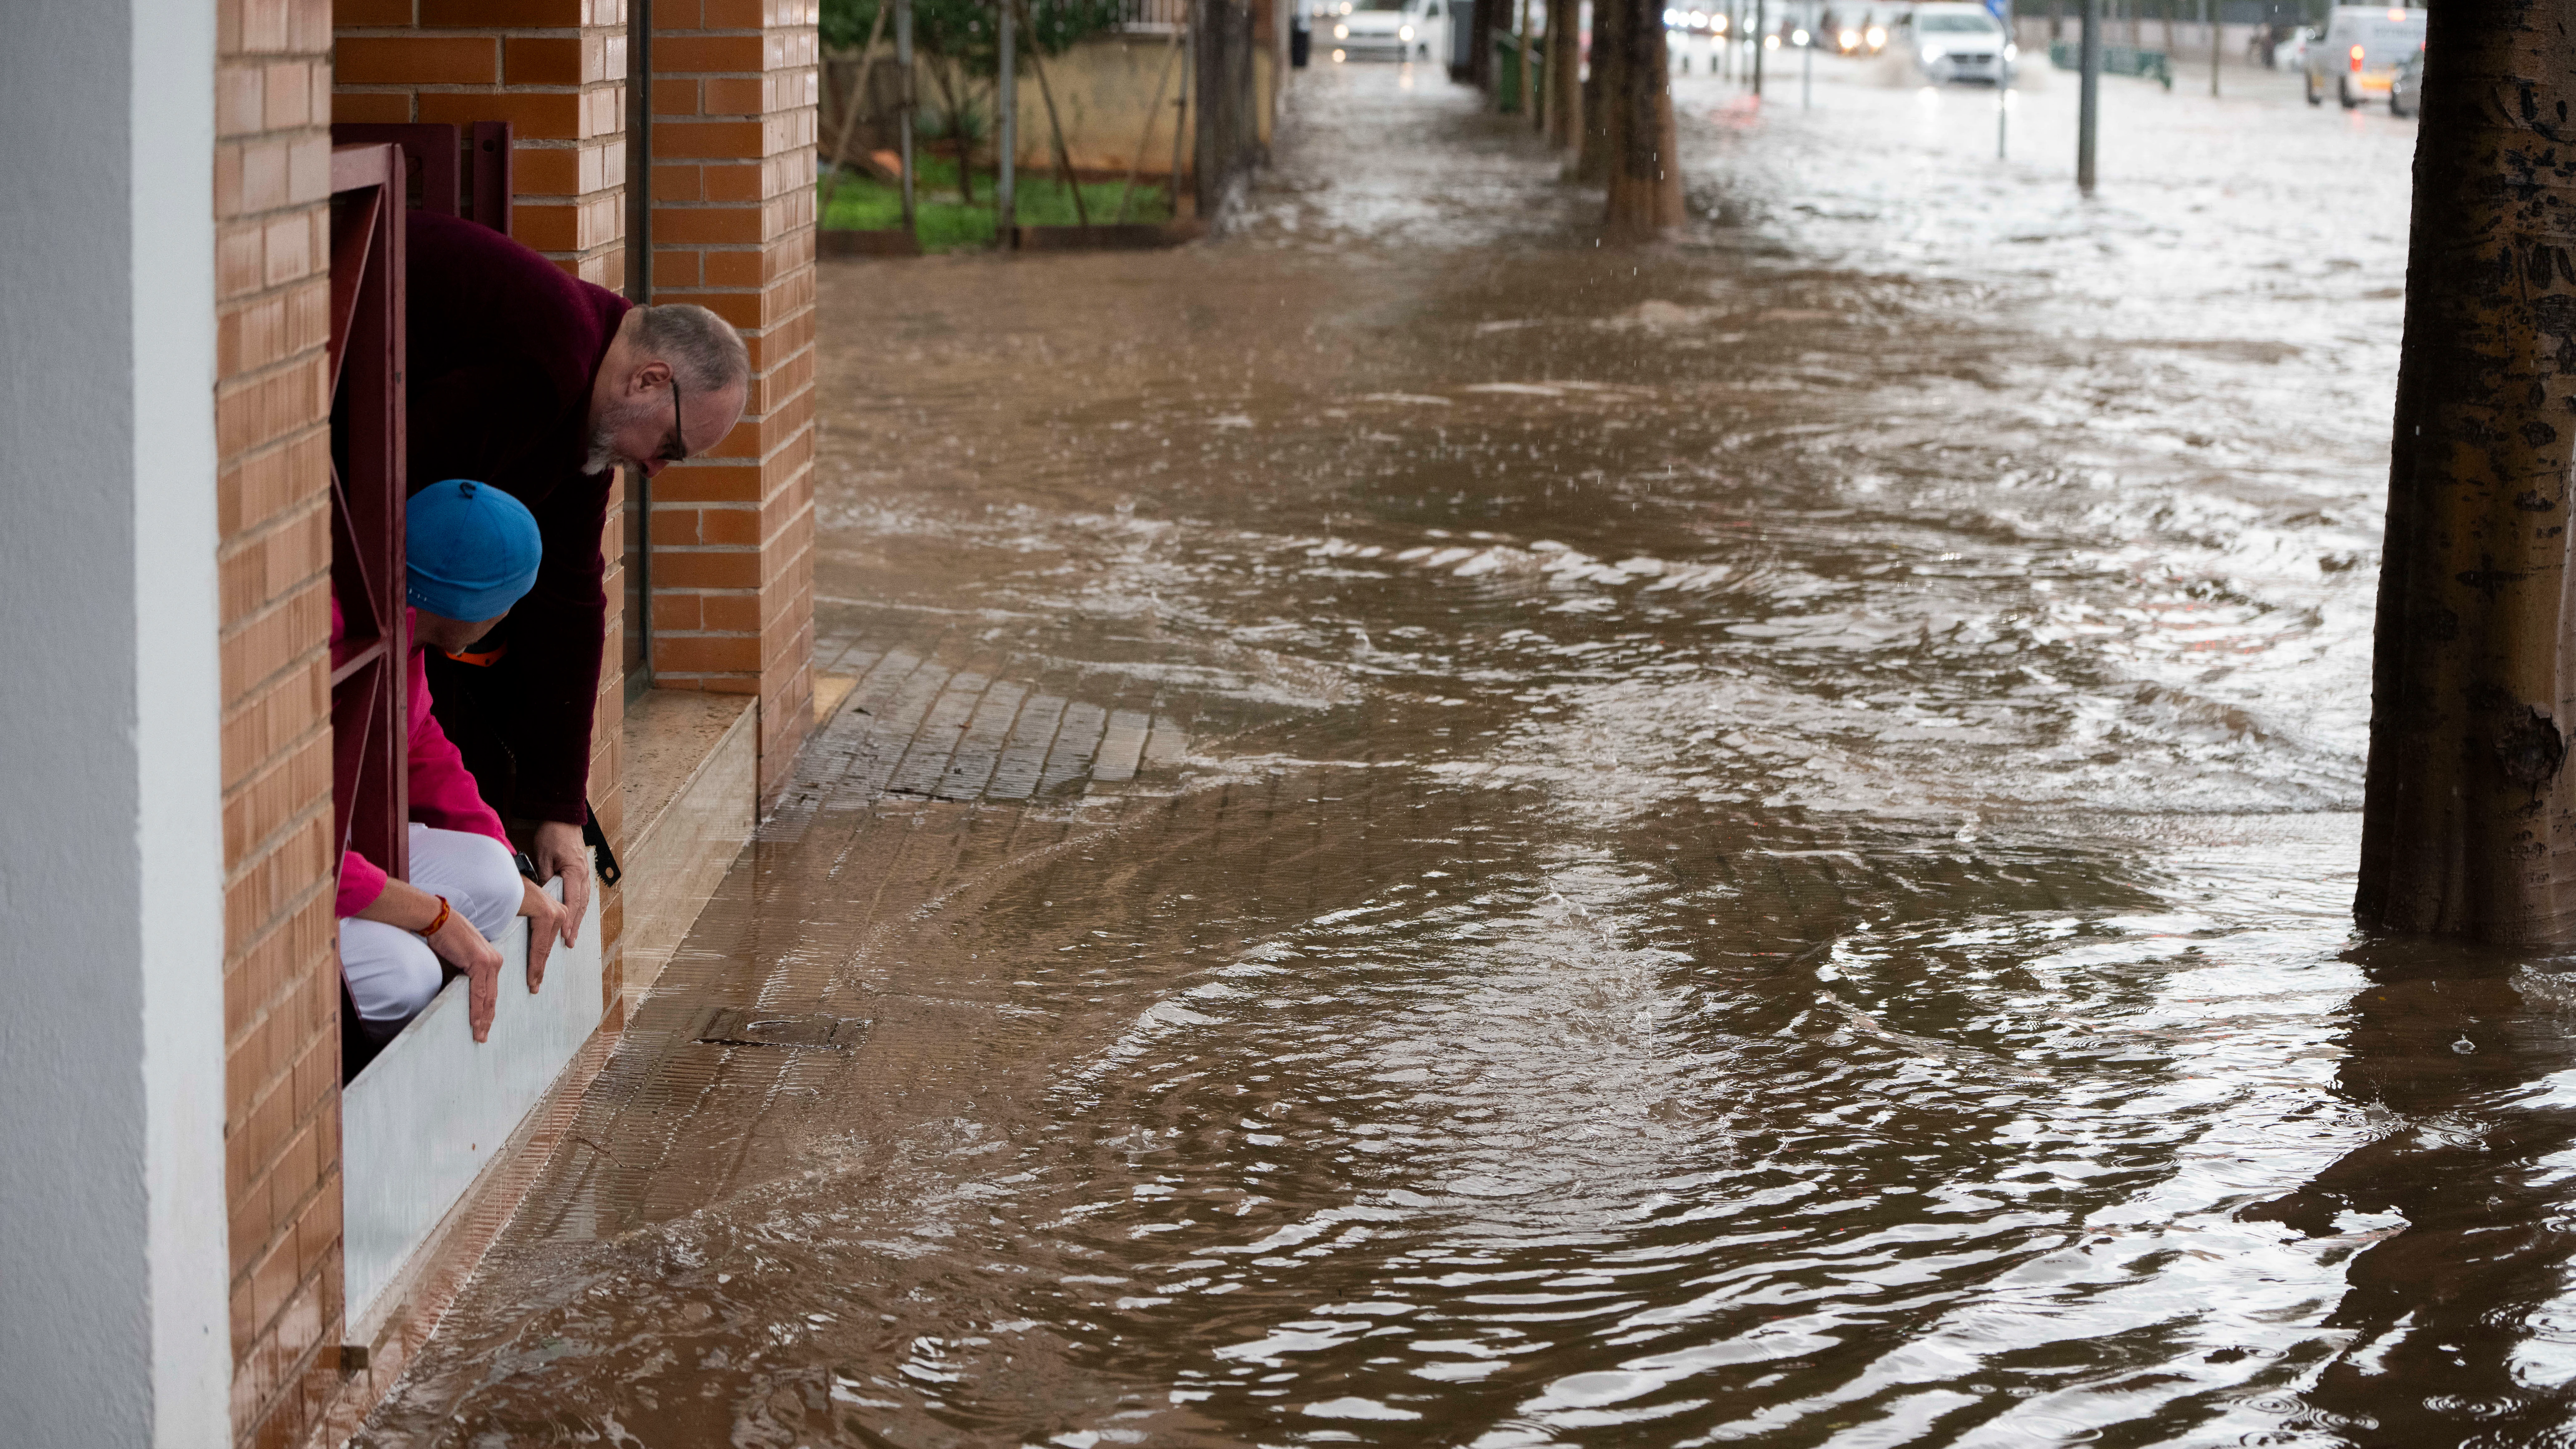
(1446, 836)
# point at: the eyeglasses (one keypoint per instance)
(677, 449)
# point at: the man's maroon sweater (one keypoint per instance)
(503, 347)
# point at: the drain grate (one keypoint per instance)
(806, 1030)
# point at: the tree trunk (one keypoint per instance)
(1480, 48)
(1603, 95)
(1645, 176)
(2468, 820)
(1564, 75)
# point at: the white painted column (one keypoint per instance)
(113, 1274)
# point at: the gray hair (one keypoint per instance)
(702, 348)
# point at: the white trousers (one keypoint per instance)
(392, 973)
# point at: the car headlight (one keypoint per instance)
(1404, 32)
(1877, 36)
(1771, 42)
(2011, 51)
(1699, 20)
(1717, 23)
(1848, 40)
(1341, 32)
(1931, 53)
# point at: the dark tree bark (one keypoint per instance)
(2469, 821)
(1602, 95)
(1564, 90)
(1645, 200)
(1482, 16)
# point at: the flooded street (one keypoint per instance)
(1448, 836)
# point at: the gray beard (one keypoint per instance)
(603, 448)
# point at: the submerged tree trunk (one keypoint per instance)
(1564, 90)
(1645, 199)
(1602, 96)
(2469, 821)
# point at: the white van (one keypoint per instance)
(2360, 51)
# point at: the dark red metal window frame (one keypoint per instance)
(370, 807)
(447, 169)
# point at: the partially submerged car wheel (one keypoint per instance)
(2310, 80)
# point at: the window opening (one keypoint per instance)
(369, 804)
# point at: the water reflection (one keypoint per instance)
(1763, 851)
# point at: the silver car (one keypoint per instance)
(1396, 29)
(1948, 43)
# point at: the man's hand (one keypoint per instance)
(463, 947)
(558, 851)
(544, 924)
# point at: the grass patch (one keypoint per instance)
(944, 224)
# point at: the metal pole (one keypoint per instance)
(2209, 15)
(2089, 107)
(903, 121)
(1006, 130)
(1807, 68)
(1526, 86)
(1761, 23)
(639, 290)
(1181, 119)
(2003, 118)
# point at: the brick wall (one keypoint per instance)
(735, 85)
(281, 980)
(554, 69)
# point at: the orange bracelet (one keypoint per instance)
(444, 911)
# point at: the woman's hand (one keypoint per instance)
(457, 943)
(545, 921)
(463, 947)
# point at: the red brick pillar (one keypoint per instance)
(735, 86)
(281, 979)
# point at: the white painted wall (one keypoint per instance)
(112, 1250)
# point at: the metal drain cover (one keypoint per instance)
(805, 1030)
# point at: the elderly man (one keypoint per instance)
(540, 384)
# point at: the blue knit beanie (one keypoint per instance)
(471, 550)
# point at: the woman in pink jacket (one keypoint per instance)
(470, 552)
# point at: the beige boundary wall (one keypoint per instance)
(1104, 89)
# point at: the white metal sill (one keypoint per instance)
(435, 1108)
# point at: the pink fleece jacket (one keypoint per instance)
(443, 795)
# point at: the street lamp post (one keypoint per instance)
(1807, 67)
(1006, 105)
(2209, 16)
(1761, 32)
(2089, 108)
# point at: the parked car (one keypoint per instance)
(2358, 54)
(2280, 47)
(1389, 29)
(2406, 89)
(1955, 42)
